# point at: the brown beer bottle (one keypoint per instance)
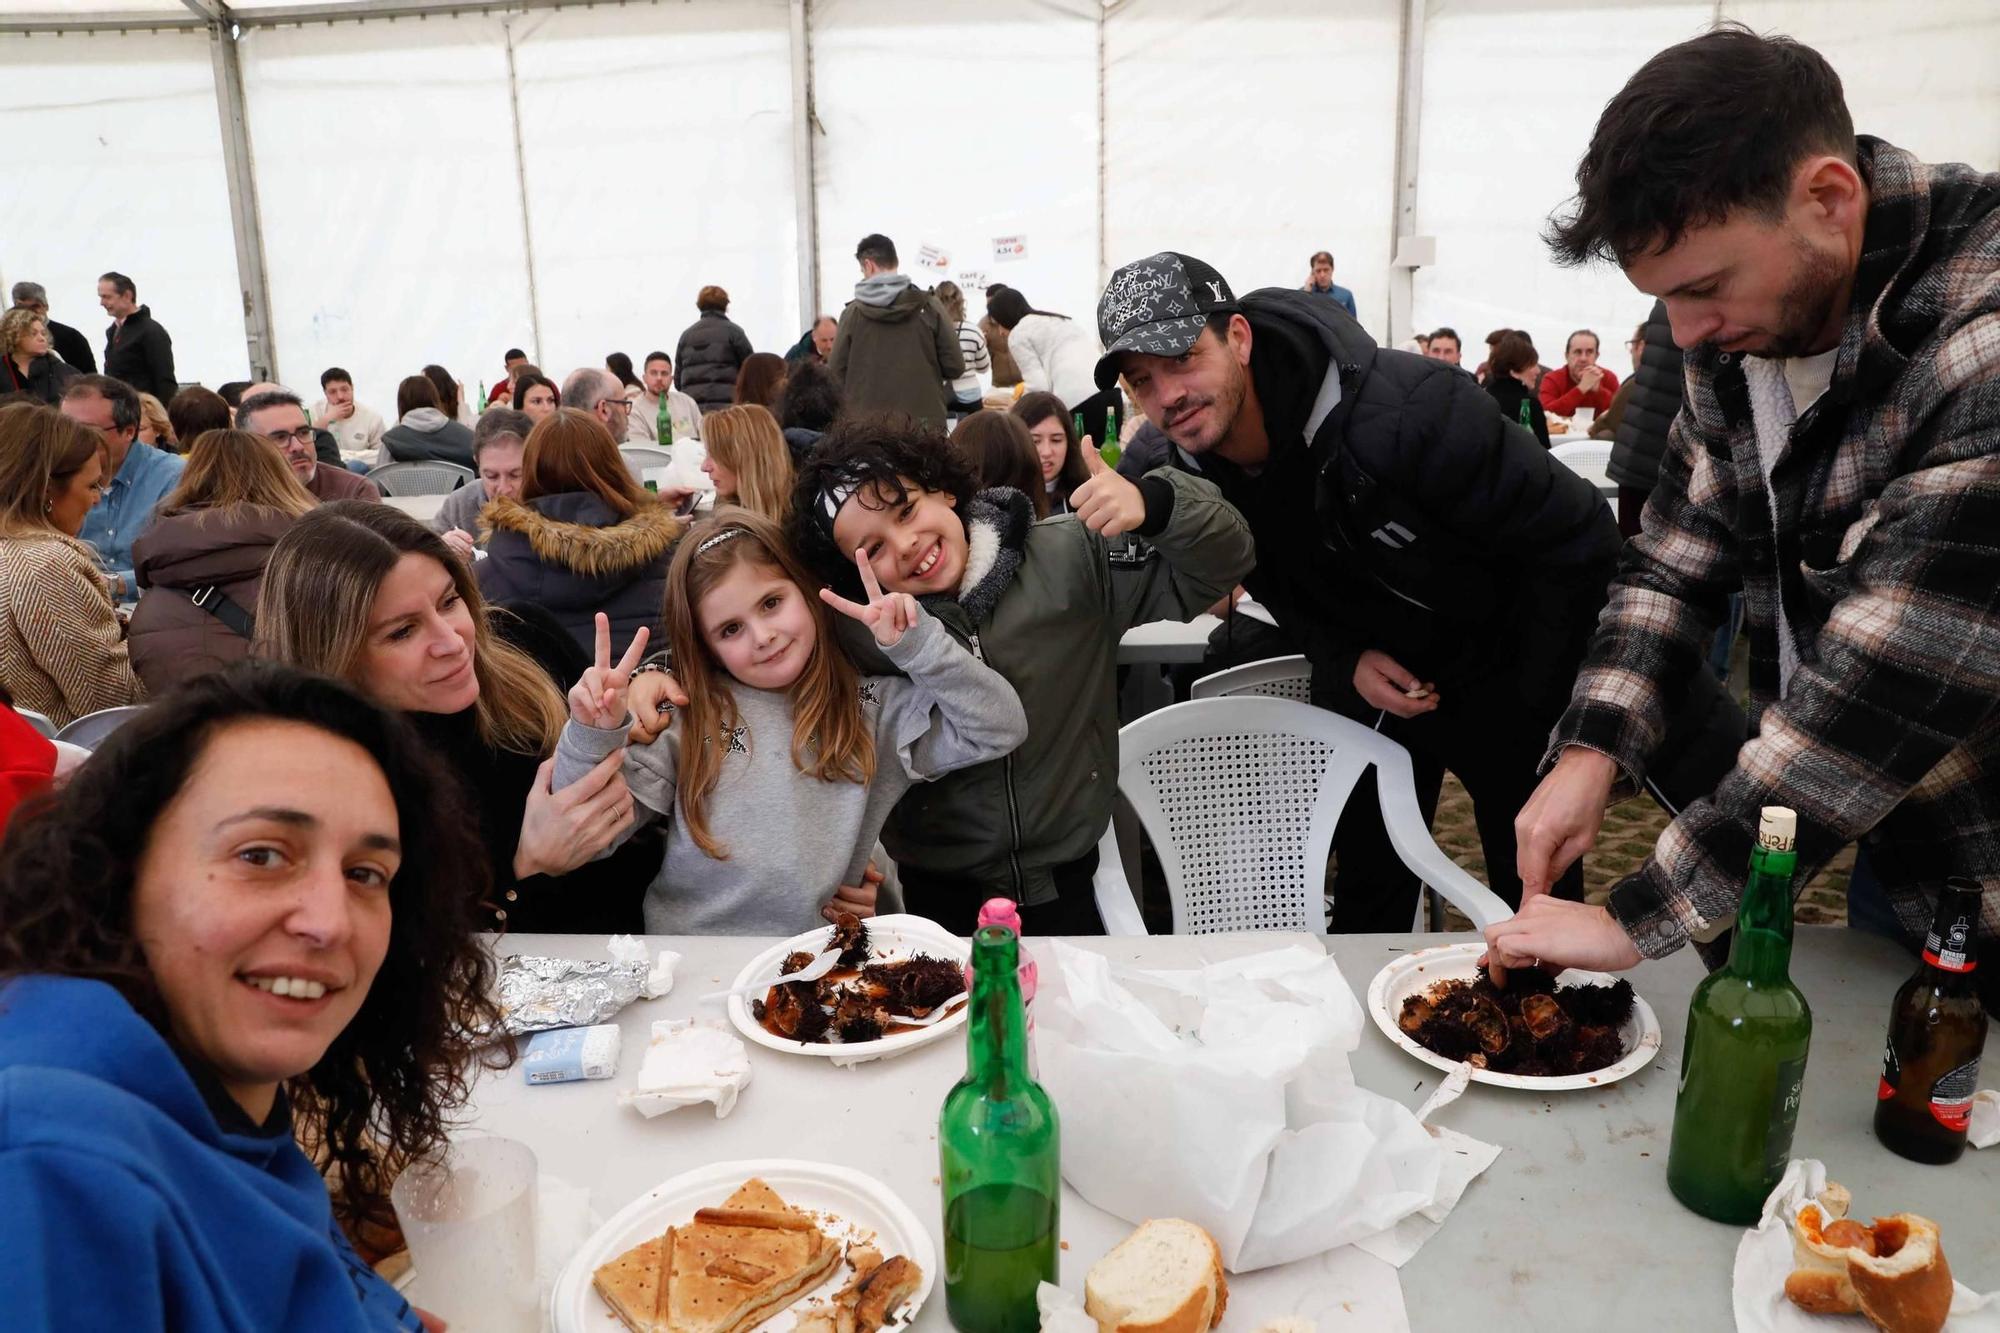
(1937, 1028)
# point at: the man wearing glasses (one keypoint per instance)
(140, 475)
(280, 417)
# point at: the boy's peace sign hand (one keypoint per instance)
(598, 699)
(888, 615)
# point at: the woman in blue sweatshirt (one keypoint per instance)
(253, 902)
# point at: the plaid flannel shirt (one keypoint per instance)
(1886, 541)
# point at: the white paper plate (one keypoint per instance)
(1417, 972)
(894, 936)
(865, 1206)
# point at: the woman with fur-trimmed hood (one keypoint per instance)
(583, 537)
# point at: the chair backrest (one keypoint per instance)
(88, 732)
(639, 457)
(1240, 797)
(428, 476)
(1278, 677)
(39, 721)
(1586, 458)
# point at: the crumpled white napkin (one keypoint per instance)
(659, 978)
(1250, 1058)
(1985, 1130)
(1464, 1158)
(1061, 1312)
(688, 1062)
(1764, 1261)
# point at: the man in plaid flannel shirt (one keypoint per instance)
(1838, 458)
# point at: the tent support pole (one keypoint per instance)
(521, 190)
(246, 222)
(805, 172)
(1409, 124)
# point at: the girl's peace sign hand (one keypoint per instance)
(888, 615)
(598, 699)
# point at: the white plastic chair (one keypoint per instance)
(426, 476)
(1589, 459)
(1278, 677)
(39, 721)
(1240, 797)
(639, 457)
(88, 732)
(1116, 903)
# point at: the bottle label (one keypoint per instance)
(1949, 953)
(1951, 1096)
(1892, 1074)
(1785, 1091)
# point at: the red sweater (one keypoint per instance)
(1561, 397)
(27, 761)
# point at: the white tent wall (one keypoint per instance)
(950, 123)
(658, 147)
(392, 221)
(657, 157)
(112, 156)
(1251, 135)
(1508, 109)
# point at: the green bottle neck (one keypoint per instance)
(997, 1048)
(1761, 949)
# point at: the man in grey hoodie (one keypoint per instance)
(895, 349)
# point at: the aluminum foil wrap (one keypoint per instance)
(537, 993)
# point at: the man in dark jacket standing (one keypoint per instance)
(136, 346)
(71, 347)
(1652, 401)
(1441, 571)
(895, 348)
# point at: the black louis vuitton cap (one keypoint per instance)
(1157, 305)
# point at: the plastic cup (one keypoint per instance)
(1579, 424)
(470, 1224)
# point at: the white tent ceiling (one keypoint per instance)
(565, 177)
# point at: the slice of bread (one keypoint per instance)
(1166, 1277)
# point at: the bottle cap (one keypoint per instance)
(1000, 912)
(1778, 829)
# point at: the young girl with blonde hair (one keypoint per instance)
(779, 772)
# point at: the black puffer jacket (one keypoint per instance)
(573, 555)
(140, 353)
(707, 358)
(1411, 518)
(1650, 407)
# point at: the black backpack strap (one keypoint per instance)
(214, 601)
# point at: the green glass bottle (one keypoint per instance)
(1000, 1148)
(1744, 1063)
(663, 429)
(482, 395)
(1111, 452)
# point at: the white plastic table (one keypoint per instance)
(1573, 1217)
(1166, 641)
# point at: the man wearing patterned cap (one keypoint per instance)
(1441, 571)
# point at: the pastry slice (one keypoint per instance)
(735, 1266)
(635, 1284)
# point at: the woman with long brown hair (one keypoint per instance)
(424, 431)
(761, 381)
(780, 771)
(369, 595)
(253, 906)
(998, 449)
(62, 651)
(202, 561)
(748, 461)
(1052, 432)
(583, 537)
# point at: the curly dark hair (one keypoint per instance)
(380, 1095)
(1670, 152)
(884, 454)
(813, 398)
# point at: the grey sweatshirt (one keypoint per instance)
(791, 839)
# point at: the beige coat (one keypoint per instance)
(62, 650)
